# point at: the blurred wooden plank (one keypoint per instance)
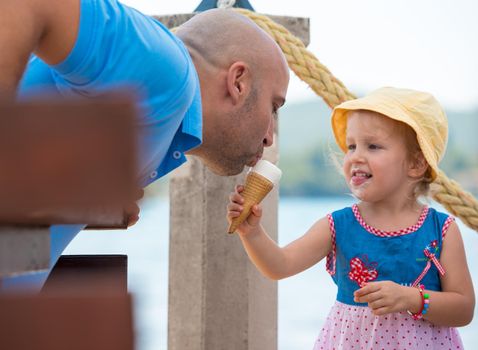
(23, 249)
(75, 322)
(73, 273)
(67, 161)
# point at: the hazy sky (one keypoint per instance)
(430, 45)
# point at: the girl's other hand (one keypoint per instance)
(235, 208)
(385, 297)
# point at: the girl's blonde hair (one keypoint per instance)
(422, 185)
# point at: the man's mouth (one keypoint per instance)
(255, 160)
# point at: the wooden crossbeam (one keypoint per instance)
(66, 162)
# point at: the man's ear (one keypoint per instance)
(238, 81)
(418, 166)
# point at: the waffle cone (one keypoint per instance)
(255, 189)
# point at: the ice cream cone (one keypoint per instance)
(259, 182)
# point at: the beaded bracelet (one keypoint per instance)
(425, 304)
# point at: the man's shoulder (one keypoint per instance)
(117, 46)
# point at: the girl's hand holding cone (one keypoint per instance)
(259, 182)
(235, 210)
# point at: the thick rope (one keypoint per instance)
(456, 200)
(302, 62)
(307, 67)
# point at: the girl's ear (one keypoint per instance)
(418, 166)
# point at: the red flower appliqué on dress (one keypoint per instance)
(361, 272)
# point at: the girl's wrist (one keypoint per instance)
(250, 232)
(414, 300)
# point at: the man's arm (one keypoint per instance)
(47, 28)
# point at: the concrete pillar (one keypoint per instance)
(217, 299)
(23, 249)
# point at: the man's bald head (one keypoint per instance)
(221, 37)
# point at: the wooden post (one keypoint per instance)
(217, 299)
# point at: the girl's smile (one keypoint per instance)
(359, 177)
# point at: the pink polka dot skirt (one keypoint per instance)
(350, 327)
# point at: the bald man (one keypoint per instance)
(212, 90)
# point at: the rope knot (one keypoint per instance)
(225, 4)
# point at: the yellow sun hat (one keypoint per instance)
(420, 110)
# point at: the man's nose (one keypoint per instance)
(269, 138)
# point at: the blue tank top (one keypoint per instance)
(363, 253)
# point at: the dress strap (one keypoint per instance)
(331, 257)
(446, 225)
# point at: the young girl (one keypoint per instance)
(400, 266)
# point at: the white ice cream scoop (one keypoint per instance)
(259, 182)
(267, 170)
